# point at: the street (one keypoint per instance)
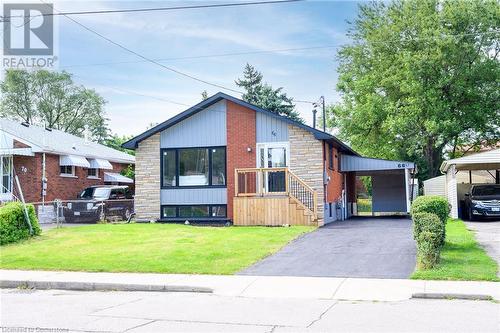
(25, 310)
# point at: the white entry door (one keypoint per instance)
(273, 155)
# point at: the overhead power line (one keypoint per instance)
(156, 9)
(216, 55)
(149, 59)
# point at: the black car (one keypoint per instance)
(98, 203)
(483, 201)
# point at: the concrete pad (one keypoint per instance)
(378, 289)
(220, 309)
(464, 287)
(293, 287)
(176, 326)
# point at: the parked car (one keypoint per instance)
(483, 201)
(97, 203)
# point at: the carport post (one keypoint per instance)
(407, 188)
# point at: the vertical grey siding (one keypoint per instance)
(270, 129)
(193, 196)
(205, 128)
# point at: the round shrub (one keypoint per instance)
(13, 225)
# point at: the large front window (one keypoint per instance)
(6, 174)
(193, 167)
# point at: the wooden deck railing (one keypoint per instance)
(251, 182)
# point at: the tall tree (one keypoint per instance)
(264, 95)
(52, 99)
(419, 79)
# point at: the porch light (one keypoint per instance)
(249, 149)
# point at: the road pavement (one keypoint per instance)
(76, 311)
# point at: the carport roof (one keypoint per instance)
(357, 163)
(489, 160)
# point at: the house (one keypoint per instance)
(52, 164)
(227, 160)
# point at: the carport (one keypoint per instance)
(479, 168)
(393, 184)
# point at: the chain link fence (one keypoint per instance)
(84, 211)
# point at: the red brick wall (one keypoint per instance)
(336, 183)
(29, 170)
(240, 122)
(351, 187)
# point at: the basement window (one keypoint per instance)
(193, 211)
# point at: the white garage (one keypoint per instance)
(461, 173)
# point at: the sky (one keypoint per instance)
(139, 93)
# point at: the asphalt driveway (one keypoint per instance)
(370, 247)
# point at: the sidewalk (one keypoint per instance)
(253, 286)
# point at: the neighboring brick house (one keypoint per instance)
(227, 160)
(67, 163)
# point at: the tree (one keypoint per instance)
(51, 99)
(419, 79)
(265, 96)
(115, 141)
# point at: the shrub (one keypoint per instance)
(433, 204)
(427, 222)
(13, 225)
(429, 249)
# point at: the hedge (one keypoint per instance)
(13, 225)
(427, 231)
(433, 204)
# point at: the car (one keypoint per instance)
(483, 201)
(98, 203)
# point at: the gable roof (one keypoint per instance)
(320, 135)
(60, 143)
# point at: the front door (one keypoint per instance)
(273, 155)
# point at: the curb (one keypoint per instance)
(100, 286)
(473, 297)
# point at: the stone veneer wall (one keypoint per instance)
(306, 161)
(147, 179)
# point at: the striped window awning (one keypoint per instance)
(73, 160)
(97, 163)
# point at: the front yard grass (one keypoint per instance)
(461, 258)
(160, 248)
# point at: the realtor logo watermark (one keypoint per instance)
(29, 36)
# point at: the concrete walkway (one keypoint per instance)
(368, 247)
(261, 286)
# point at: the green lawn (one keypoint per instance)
(364, 206)
(461, 258)
(162, 248)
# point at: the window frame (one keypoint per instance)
(178, 216)
(6, 188)
(64, 174)
(331, 158)
(96, 176)
(177, 168)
